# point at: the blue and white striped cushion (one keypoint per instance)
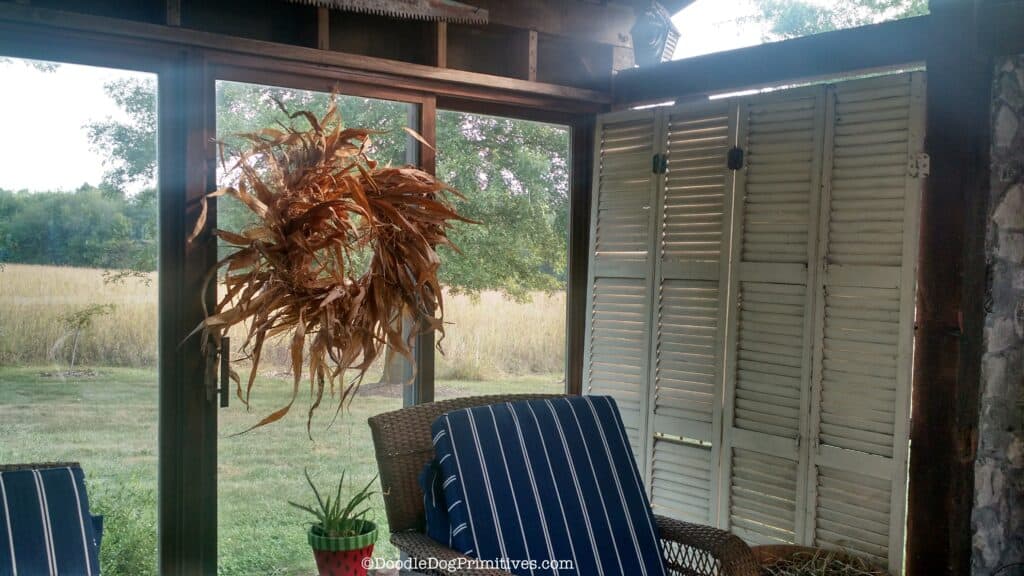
(438, 524)
(45, 526)
(547, 480)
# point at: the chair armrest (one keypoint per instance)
(696, 550)
(422, 547)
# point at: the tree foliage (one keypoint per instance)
(515, 179)
(129, 148)
(84, 228)
(514, 175)
(794, 18)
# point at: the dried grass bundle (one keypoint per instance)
(822, 563)
(320, 202)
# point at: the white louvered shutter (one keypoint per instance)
(617, 353)
(865, 315)
(691, 282)
(768, 359)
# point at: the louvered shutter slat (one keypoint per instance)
(767, 355)
(693, 225)
(618, 324)
(681, 481)
(763, 497)
(865, 310)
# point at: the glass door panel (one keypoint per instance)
(505, 291)
(78, 289)
(260, 471)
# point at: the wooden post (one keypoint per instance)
(173, 12)
(441, 45)
(323, 28)
(951, 283)
(187, 514)
(531, 73)
(582, 144)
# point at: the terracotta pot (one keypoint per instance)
(345, 555)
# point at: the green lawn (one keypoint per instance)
(108, 422)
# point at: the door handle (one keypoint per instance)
(217, 380)
(223, 388)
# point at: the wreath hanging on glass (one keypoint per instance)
(320, 206)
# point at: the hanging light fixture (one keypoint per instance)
(654, 35)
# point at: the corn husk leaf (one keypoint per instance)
(319, 200)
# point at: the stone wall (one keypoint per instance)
(999, 469)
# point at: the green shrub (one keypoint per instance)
(129, 527)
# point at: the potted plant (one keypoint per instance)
(342, 538)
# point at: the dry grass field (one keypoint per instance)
(486, 337)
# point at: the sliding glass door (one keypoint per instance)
(260, 471)
(78, 289)
(505, 286)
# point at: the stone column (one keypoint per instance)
(998, 519)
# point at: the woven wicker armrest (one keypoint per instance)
(696, 550)
(422, 547)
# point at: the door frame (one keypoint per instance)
(182, 524)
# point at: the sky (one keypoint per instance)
(44, 115)
(708, 26)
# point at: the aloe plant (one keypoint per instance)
(337, 518)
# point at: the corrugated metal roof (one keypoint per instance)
(436, 10)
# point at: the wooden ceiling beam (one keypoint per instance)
(426, 78)
(586, 21)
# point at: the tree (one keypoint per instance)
(75, 323)
(129, 147)
(794, 18)
(40, 65)
(84, 228)
(513, 174)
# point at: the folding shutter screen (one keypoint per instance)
(694, 221)
(768, 359)
(803, 262)
(865, 315)
(621, 267)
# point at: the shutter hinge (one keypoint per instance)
(919, 166)
(735, 158)
(659, 164)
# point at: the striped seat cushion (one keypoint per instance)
(546, 480)
(45, 525)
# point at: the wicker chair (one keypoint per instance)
(402, 441)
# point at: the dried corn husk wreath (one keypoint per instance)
(320, 200)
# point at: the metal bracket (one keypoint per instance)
(919, 166)
(218, 372)
(659, 164)
(225, 372)
(734, 159)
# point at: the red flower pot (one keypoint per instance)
(343, 555)
(343, 562)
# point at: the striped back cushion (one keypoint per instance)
(546, 480)
(45, 526)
